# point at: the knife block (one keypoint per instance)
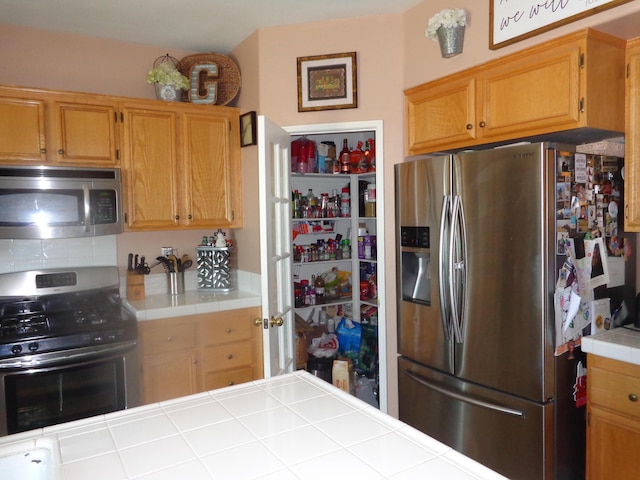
(135, 286)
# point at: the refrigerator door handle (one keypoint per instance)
(457, 396)
(457, 274)
(443, 265)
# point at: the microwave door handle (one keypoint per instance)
(87, 206)
(443, 262)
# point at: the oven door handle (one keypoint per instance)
(55, 358)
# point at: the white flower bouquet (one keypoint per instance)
(167, 74)
(449, 17)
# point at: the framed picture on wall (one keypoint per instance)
(513, 21)
(248, 129)
(327, 82)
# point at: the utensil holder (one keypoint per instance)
(214, 269)
(175, 283)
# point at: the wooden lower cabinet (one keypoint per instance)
(613, 413)
(185, 355)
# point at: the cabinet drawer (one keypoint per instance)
(161, 337)
(616, 391)
(223, 357)
(227, 378)
(226, 327)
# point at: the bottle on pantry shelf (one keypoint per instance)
(345, 158)
(356, 157)
(319, 285)
(346, 249)
(345, 203)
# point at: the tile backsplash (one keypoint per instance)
(18, 255)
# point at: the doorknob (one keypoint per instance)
(257, 322)
(276, 322)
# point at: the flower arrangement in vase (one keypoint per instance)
(447, 28)
(167, 80)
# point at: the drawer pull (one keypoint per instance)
(229, 357)
(228, 330)
(169, 339)
(633, 397)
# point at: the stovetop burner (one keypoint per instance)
(51, 310)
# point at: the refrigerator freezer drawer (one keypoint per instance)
(508, 434)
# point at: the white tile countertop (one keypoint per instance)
(618, 344)
(190, 303)
(295, 426)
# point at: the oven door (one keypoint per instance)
(68, 386)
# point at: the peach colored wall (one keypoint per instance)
(45, 59)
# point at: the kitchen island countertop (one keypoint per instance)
(294, 426)
(621, 344)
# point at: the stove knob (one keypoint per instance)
(16, 349)
(34, 346)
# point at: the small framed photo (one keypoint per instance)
(248, 129)
(327, 82)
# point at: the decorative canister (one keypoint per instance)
(214, 269)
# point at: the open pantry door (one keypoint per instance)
(278, 320)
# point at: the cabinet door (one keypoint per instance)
(168, 375)
(150, 168)
(85, 133)
(632, 140)
(612, 441)
(531, 94)
(22, 124)
(440, 113)
(211, 171)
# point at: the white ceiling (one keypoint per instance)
(192, 25)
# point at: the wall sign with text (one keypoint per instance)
(515, 20)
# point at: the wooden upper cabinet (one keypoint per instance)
(22, 128)
(85, 131)
(150, 167)
(182, 166)
(47, 127)
(442, 114)
(632, 140)
(212, 170)
(568, 83)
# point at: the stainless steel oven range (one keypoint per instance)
(68, 349)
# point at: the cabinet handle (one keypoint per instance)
(229, 357)
(633, 397)
(232, 383)
(61, 152)
(43, 151)
(169, 339)
(469, 126)
(190, 217)
(228, 330)
(483, 124)
(177, 217)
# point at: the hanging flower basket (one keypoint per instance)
(450, 40)
(167, 79)
(447, 28)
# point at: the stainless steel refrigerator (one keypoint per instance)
(477, 265)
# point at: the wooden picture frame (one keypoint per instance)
(511, 22)
(327, 82)
(248, 134)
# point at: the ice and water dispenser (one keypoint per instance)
(416, 258)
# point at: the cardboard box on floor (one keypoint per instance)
(344, 376)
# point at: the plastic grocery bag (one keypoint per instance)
(349, 336)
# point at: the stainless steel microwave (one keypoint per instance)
(59, 202)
